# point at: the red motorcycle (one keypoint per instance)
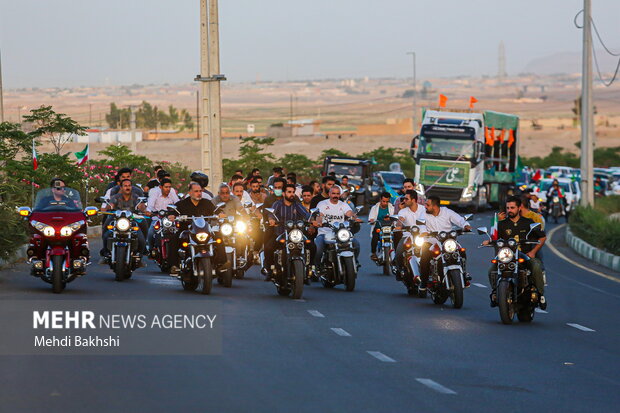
(58, 248)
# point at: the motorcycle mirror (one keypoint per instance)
(534, 225)
(91, 211)
(231, 219)
(468, 217)
(24, 211)
(142, 199)
(259, 205)
(180, 195)
(220, 205)
(270, 210)
(482, 230)
(420, 222)
(100, 199)
(359, 208)
(247, 205)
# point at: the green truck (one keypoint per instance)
(468, 159)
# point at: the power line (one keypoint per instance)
(600, 39)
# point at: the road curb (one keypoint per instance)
(20, 254)
(592, 253)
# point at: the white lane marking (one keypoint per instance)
(576, 264)
(479, 285)
(341, 332)
(163, 281)
(380, 356)
(580, 327)
(538, 310)
(300, 300)
(436, 386)
(316, 313)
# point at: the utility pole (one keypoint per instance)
(132, 126)
(587, 117)
(415, 93)
(211, 127)
(90, 115)
(1, 98)
(197, 115)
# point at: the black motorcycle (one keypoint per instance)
(339, 265)
(290, 258)
(125, 256)
(515, 291)
(225, 230)
(447, 269)
(409, 274)
(385, 247)
(165, 230)
(196, 254)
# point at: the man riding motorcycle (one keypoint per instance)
(555, 190)
(516, 226)
(408, 185)
(125, 200)
(408, 216)
(192, 206)
(233, 204)
(269, 237)
(379, 215)
(438, 219)
(158, 201)
(331, 211)
(328, 182)
(202, 179)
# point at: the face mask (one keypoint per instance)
(277, 192)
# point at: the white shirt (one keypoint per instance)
(444, 221)
(157, 201)
(332, 213)
(410, 217)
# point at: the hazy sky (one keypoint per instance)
(84, 42)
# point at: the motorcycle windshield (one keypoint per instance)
(58, 199)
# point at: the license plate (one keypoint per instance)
(442, 202)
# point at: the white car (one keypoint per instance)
(569, 187)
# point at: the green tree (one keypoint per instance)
(57, 128)
(251, 155)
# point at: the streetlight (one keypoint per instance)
(415, 92)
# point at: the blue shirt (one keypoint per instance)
(383, 212)
(293, 212)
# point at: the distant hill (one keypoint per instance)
(568, 62)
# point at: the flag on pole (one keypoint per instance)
(82, 156)
(494, 231)
(35, 161)
(472, 100)
(442, 101)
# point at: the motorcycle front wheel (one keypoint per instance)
(57, 281)
(505, 301)
(349, 274)
(457, 288)
(205, 271)
(120, 267)
(386, 261)
(299, 273)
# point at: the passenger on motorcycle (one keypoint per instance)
(438, 219)
(328, 182)
(331, 211)
(378, 216)
(202, 179)
(517, 227)
(408, 185)
(233, 204)
(306, 197)
(408, 216)
(240, 193)
(192, 206)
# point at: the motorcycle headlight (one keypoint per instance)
(48, 231)
(556, 199)
(449, 245)
(419, 241)
(122, 224)
(226, 229)
(296, 236)
(166, 223)
(343, 235)
(241, 227)
(66, 231)
(505, 255)
(202, 236)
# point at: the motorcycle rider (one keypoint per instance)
(58, 196)
(192, 206)
(316, 187)
(269, 234)
(155, 180)
(277, 173)
(121, 175)
(125, 200)
(555, 190)
(517, 227)
(256, 194)
(306, 197)
(233, 204)
(159, 201)
(328, 182)
(379, 215)
(438, 219)
(240, 193)
(286, 209)
(408, 216)
(331, 211)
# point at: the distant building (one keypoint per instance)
(303, 127)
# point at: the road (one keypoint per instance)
(375, 349)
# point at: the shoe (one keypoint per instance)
(467, 277)
(268, 276)
(399, 274)
(373, 257)
(174, 271)
(417, 280)
(542, 303)
(493, 297)
(467, 283)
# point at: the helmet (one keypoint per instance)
(200, 178)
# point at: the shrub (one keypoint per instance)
(594, 227)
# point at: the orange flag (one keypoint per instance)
(442, 101)
(488, 137)
(472, 100)
(511, 137)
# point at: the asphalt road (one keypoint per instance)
(375, 349)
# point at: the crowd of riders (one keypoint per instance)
(272, 201)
